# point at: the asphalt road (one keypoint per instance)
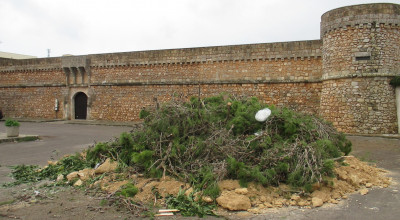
(56, 140)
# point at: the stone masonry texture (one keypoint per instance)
(343, 77)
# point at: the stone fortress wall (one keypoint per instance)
(361, 53)
(343, 77)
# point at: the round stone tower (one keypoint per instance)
(361, 53)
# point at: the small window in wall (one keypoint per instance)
(363, 58)
(360, 56)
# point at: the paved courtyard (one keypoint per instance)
(56, 140)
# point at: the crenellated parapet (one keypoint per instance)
(250, 53)
(30, 65)
(361, 16)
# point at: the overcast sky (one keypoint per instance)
(81, 27)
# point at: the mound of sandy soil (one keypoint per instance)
(354, 176)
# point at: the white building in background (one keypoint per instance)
(15, 56)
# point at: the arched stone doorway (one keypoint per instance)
(80, 105)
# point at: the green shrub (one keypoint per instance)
(143, 159)
(94, 154)
(143, 114)
(206, 181)
(126, 143)
(128, 190)
(24, 174)
(32, 173)
(344, 144)
(189, 205)
(395, 81)
(11, 123)
(194, 140)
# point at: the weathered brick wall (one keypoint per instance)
(31, 102)
(123, 103)
(32, 78)
(285, 70)
(360, 105)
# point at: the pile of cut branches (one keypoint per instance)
(206, 140)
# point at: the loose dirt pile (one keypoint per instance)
(352, 175)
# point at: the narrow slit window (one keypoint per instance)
(360, 58)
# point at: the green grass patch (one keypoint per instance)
(7, 202)
(27, 138)
(189, 206)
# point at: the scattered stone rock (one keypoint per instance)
(303, 203)
(72, 175)
(242, 191)
(233, 201)
(107, 166)
(323, 193)
(263, 198)
(78, 183)
(317, 202)
(254, 211)
(86, 174)
(295, 197)
(97, 183)
(188, 191)
(364, 191)
(228, 185)
(49, 162)
(279, 203)
(207, 199)
(333, 201)
(355, 181)
(368, 185)
(268, 205)
(60, 178)
(255, 202)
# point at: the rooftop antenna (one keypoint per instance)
(48, 52)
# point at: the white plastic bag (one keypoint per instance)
(263, 114)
